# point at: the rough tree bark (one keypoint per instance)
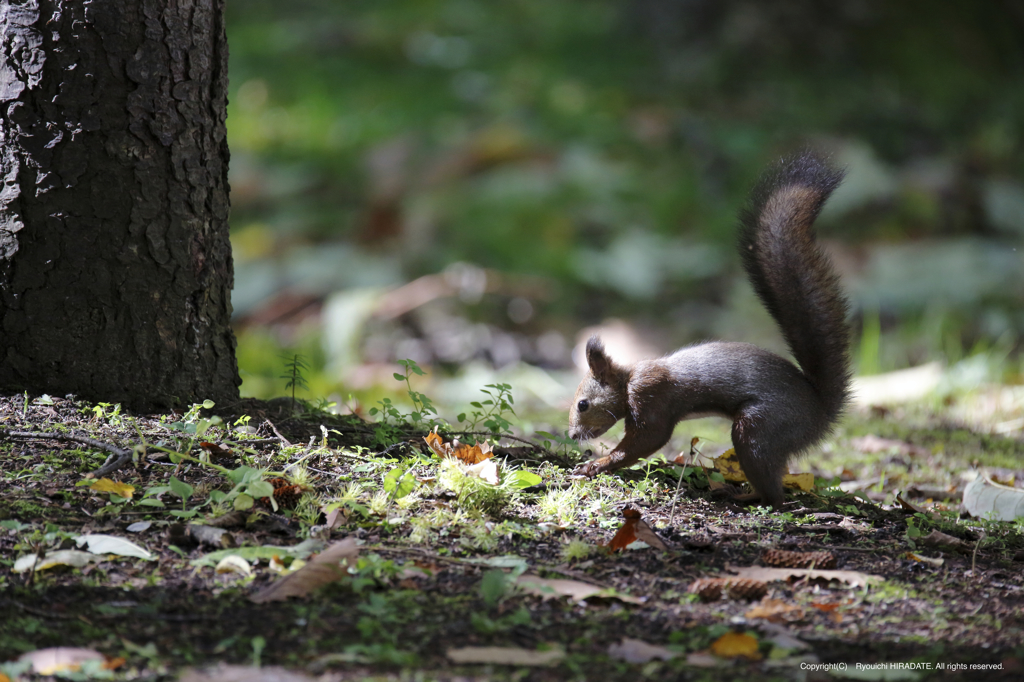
(115, 266)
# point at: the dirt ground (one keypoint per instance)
(440, 571)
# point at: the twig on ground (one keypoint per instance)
(117, 459)
(284, 441)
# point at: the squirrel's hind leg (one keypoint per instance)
(762, 452)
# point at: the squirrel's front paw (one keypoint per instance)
(594, 467)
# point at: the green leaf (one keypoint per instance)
(523, 479)
(243, 474)
(151, 502)
(494, 586)
(260, 489)
(243, 502)
(398, 377)
(398, 483)
(181, 489)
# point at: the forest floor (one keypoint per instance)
(265, 542)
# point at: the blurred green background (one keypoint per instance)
(470, 183)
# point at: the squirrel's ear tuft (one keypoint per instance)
(600, 365)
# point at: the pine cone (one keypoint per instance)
(786, 559)
(286, 494)
(711, 589)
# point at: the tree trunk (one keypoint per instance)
(115, 265)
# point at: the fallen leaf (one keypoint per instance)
(63, 557)
(871, 444)
(549, 588)
(908, 506)
(329, 566)
(936, 562)
(436, 444)
(242, 673)
(59, 659)
(852, 578)
(939, 540)
(486, 470)
(728, 464)
(497, 655)
(803, 482)
(632, 529)
(234, 564)
(299, 551)
(645, 533)
(702, 659)
(626, 534)
(335, 518)
(216, 449)
(775, 611)
(781, 638)
(639, 651)
(111, 544)
(468, 454)
(736, 645)
(985, 499)
(105, 485)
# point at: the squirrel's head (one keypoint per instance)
(601, 397)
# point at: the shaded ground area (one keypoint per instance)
(442, 553)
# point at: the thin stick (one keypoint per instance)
(117, 459)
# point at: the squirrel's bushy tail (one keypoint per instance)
(793, 276)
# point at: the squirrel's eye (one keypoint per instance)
(583, 405)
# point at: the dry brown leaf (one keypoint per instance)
(632, 529)
(500, 655)
(626, 534)
(436, 444)
(216, 449)
(949, 543)
(330, 565)
(639, 651)
(549, 588)
(908, 506)
(468, 454)
(243, 673)
(872, 444)
(852, 578)
(736, 645)
(473, 454)
(775, 611)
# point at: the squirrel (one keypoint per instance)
(777, 409)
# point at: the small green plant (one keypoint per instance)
(565, 444)
(294, 369)
(474, 494)
(576, 550)
(493, 411)
(424, 414)
(109, 411)
(184, 491)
